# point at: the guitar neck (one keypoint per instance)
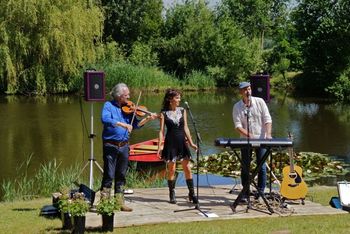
(291, 155)
(291, 163)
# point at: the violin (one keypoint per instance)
(130, 108)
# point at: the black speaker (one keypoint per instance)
(260, 85)
(94, 85)
(89, 194)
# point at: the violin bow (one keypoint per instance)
(137, 105)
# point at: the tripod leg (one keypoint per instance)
(98, 165)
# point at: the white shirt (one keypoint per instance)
(259, 116)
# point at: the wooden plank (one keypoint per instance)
(143, 151)
(146, 147)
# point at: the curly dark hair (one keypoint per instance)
(169, 95)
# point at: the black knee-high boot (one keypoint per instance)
(191, 196)
(171, 185)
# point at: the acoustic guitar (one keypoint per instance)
(293, 186)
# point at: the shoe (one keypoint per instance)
(128, 191)
(192, 198)
(125, 208)
(243, 201)
(93, 209)
(259, 200)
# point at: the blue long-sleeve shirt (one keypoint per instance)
(111, 114)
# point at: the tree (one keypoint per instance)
(257, 18)
(128, 21)
(44, 43)
(195, 39)
(324, 33)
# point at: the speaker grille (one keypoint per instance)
(260, 85)
(94, 86)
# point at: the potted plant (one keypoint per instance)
(106, 207)
(78, 207)
(63, 207)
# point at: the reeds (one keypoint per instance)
(43, 183)
(49, 178)
(151, 78)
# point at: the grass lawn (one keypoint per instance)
(23, 217)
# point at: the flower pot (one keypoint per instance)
(107, 222)
(79, 224)
(66, 221)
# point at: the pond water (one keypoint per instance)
(58, 127)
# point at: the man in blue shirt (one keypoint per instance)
(117, 127)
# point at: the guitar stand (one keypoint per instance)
(245, 189)
(301, 199)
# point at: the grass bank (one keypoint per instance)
(23, 217)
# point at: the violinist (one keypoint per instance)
(117, 127)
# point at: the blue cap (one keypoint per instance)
(243, 85)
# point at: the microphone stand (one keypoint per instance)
(249, 151)
(198, 141)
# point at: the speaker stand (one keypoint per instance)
(92, 160)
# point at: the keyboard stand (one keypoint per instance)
(251, 179)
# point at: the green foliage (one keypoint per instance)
(340, 89)
(128, 21)
(143, 179)
(142, 55)
(43, 43)
(108, 204)
(78, 205)
(47, 180)
(196, 39)
(314, 165)
(64, 200)
(199, 80)
(322, 29)
(23, 186)
(257, 18)
(137, 76)
(188, 32)
(109, 53)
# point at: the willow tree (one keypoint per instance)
(44, 43)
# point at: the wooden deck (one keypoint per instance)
(151, 207)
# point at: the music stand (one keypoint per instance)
(91, 160)
(198, 141)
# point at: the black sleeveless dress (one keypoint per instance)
(175, 147)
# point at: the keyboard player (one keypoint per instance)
(254, 110)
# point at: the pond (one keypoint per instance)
(58, 127)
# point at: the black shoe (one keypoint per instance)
(243, 201)
(192, 198)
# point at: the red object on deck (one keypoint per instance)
(144, 151)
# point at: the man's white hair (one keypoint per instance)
(118, 90)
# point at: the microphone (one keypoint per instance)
(187, 106)
(249, 96)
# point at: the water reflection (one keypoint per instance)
(59, 126)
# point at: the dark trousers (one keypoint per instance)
(115, 166)
(259, 152)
